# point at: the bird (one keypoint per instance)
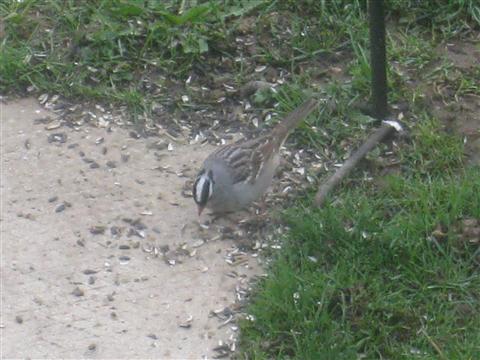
(237, 174)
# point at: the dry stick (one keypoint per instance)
(336, 178)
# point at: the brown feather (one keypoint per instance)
(246, 159)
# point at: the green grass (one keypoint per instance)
(108, 50)
(384, 271)
(367, 276)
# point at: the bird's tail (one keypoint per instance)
(291, 121)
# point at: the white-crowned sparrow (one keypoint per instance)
(237, 174)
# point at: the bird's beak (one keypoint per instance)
(200, 209)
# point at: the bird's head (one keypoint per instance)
(203, 189)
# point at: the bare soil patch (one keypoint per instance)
(102, 255)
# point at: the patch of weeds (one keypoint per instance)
(449, 18)
(432, 152)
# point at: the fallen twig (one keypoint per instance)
(378, 136)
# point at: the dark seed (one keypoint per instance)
(92, 347)
(124, 247)
(124, 258)
(152, 336)
(139, 225)
(97, 229)
(91, 280)
(111, 164)
(125, 157)
(18, 319)
(44, 120)
(81, 153)
(60, 208)
(57, 137)
(89, 272)
(104, 150)
(94, 165)
(53, 199)
(73, 146)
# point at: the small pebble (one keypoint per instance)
(94, 165)
(18, 319)
(60, 208)
(53, 199)
(134, 135)
(78, 292)
(91, 280)
(115, 230)
(92, 347)
(89, 272)
(111, 164)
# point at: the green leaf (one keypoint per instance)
(202, 45)
(127, 10)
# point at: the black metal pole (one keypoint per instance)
(378, 58)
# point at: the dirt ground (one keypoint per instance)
(102, 256)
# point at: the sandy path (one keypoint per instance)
(69, 293)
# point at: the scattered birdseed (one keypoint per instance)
(187, 323)
(54, 125)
